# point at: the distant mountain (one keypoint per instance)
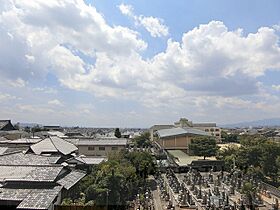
(258, 123)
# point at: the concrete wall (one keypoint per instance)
(89, 151)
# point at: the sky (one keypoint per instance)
(138, 63)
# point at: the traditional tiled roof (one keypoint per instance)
(39, 199)
(4, 123)
(52, 145)
(30, 198)
(86, 160)
(71, 179)
(180, 131)
(19, 158)
(29, 173)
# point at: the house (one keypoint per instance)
(54, 146)
(6, 125)
(177, 138)
(30, 181)
(101, 146)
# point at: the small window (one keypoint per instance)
(114, 148)
(212, 129)
(217, 129)
(206, 130)
(102, 148)
(217, 134)
(91, 148)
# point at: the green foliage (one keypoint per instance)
(203, 146)
(115, 182)
(143, 140)
(229, 137)
(249, 190)
(257, 157)
(118, 133)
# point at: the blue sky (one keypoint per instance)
(139, 63)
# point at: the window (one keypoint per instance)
(212, 129)
(91, 148)
(206, 130)
(102, 148)
(217, 134)
(114, 148)
(217, 129)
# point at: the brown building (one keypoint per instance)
(177, 138)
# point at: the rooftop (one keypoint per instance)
(29, 173)
(54, 144)
(180, 131)
(71, 179)
(31, 198)
(19, 158)
(183, 159)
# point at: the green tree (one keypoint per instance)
(229, 137)
(203, 146)
(249, 190)
(118, 133)
(143, 140)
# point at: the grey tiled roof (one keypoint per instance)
(86, 160)
(29, 173)
(180, 131)
(103, 142)
(19, 158)
(39, 199)
(52, 145)
(71, 179)
(3, 150)
(13, 194)
(30, 198)
(3, 123)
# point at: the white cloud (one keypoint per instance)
(18, 83)
(155, 26)
(126, 9)
(55, 102)
(276, 87)
(211, 66)
(6, 97)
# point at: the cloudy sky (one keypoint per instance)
(138, 63)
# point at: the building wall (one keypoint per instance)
(213, 131)
(90, 150)
(175, 142)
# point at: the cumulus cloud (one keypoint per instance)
(55, 102)
(209, 64)
(155, 26)
(276, 87)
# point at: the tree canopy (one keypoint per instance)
(143, 140)
(116, 181)
(118, 133)
(203, 146)
(257, 157)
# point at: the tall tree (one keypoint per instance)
(203, 146)
(118, 133)
(143, 140)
